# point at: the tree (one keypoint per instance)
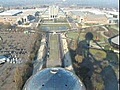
(22, 20)
(1, 25)
(37, 13)
(19, 22)
(22, 74)
(107, 47)
(1, 40)
(89, 36)
(7, 26)
(18, 78)
(79, 58)
(30, 17)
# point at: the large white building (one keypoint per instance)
(13, 16)
(53, 12)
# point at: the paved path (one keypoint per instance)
(67, 57)
(53, 23)
(39, 61)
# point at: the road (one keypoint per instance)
(71, 22)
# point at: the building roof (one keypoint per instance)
(24, 11)
(93, 17)
(96, 11)
(54, 79)
(115, 40)
(113, 12)
(78, 13)
(10, 12)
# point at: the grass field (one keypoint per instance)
(98, 54)
(113, 30)
(74, 35)
(54, 49)
(54, 58)
(90, 24)
(54, 27)
(96, 31)
(116, 27)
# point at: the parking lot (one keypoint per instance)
(15, 45)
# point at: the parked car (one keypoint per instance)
(3, 59)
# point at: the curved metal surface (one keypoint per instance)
(54, 79)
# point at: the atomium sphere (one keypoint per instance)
(54, 79)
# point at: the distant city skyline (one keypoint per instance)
(96, 3)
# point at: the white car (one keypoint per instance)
(3, 59)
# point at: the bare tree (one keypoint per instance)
(18, 78)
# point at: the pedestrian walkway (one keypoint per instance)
(67, 58)
(39, 61)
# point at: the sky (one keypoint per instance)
(110, 3)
